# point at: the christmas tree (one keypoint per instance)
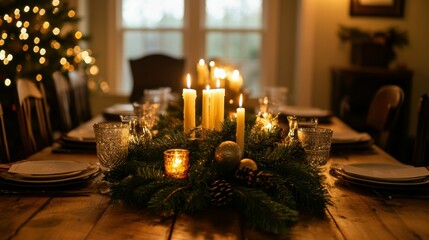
(38, 38)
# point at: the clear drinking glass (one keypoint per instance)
(316, 143)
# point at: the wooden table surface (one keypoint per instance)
(355, 213)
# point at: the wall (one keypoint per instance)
(329, 51)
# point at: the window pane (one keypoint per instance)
(139, 43)
(152, 13)
(241, 50)
(234, 14)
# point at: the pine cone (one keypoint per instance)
(221, 193)
(253, 177)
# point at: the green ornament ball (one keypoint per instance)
(228, 154)
(247, 163)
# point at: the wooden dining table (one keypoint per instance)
(354, 212)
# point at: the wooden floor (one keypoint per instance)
(354, 213)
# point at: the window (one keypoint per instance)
(236, 32)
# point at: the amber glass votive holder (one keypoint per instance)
(176, 163)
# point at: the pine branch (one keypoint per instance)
(262, 212)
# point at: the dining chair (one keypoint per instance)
(156, 71)
(383, 113)
(63, 92)
(421, 144)
(33, 116)
(80, 102)
(4, 148)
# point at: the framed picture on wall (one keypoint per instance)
(377, 8)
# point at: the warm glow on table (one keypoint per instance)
(240, 124)
(189, 96)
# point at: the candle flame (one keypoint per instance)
(240, 103)
(201, 62)
(212, 63)
(188, 78)
(235, 75)
(207, 87)
(217, 83)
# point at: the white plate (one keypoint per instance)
(45, 167)
(85, 174)
(304, 111)
(350, 137)
(386, 171)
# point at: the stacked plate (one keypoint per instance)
(48, 173)
(382, 175)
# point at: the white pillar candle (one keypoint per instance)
(189, 96)
(203, 73)
(240, 124)
(206, 108)
(219, 106)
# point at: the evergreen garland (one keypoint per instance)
(295, 186)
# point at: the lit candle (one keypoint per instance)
(236, 81)
(203, 73)
(206, 108)
(240, 124)
(212, 76)
(176, 163)
(189, 96)
(219, 106)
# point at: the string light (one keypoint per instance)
(7, 82)
(26, 8)
(71, 14)
(35, 9)
(42, 12)
(55, 3)
(56, 31)
(39, 77)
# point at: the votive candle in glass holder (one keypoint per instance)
(176, 163)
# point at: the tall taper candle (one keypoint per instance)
(240, 124)
(189, 96)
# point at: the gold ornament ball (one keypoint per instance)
(248, 163)
(228, 154)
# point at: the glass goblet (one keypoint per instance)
(111, 140)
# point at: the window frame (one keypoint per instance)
(194, 41)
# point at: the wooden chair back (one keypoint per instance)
(4, 148)
(63, 92)
(155, 71)
(383, 113)
(80, 103)
(33, 116)
(421, 144)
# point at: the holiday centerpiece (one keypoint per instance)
(268, 180)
